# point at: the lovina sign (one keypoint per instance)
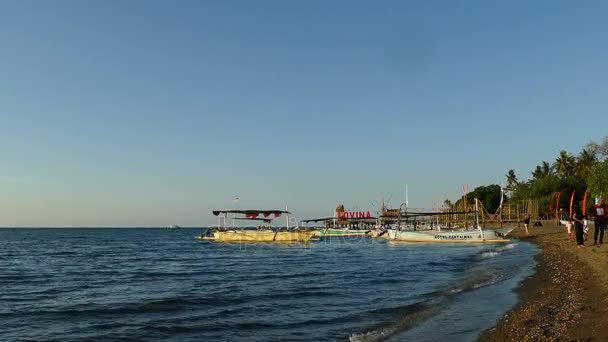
(354, 214)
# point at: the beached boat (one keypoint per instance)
(263, 233)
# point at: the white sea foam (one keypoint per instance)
(486, 255)
(509, 246)
(376, 335)
(456, 290)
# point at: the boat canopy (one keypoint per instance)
(252, 213)
(417, 214)
(254, 219)
(354, 219)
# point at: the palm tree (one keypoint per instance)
(537, 173)
(585, 162)
(564, 164)
(542, 171)
(547, 169)
(511, 179)
(447, 205)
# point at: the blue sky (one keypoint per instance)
(152, 113)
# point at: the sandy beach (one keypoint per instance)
(566, 299)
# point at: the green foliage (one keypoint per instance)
(447, 205)
(547, 187)
(543, 170)
(489, 196)
(511, 179)
(565, 164)
(585, 161)
(569, 173)
(598, 179)
(566, 175)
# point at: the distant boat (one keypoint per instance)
(174, 227)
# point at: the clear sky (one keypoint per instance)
(152, 113)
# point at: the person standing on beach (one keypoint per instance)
(600, 216)
(585, 227)
(577, 217)
(527, 223)
(570, 230)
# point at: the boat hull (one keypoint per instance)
(435, 236)
(260, 236)
(342, 232)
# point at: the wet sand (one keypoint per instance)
(567, 298)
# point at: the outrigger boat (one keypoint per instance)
(472, 235)
(475, 235)
(345, 223)
(263, 233)
(344, 227)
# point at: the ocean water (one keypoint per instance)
(161, 285)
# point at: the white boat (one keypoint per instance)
(478, 235)
(471, 235)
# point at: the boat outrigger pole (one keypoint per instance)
(286, 226)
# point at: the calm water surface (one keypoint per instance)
(160, 285)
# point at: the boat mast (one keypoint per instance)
(477, 218)
(406, 199)
(334, 225)
(287, 217)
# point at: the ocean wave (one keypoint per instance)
(409, 315)
(491, 253)
(176, 304)
(438, 263)
(144, 306)
(283, 276)
(160, 274)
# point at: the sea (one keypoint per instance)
(117, 284)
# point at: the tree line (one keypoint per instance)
(586, 170)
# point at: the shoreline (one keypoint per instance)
(565, 299)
